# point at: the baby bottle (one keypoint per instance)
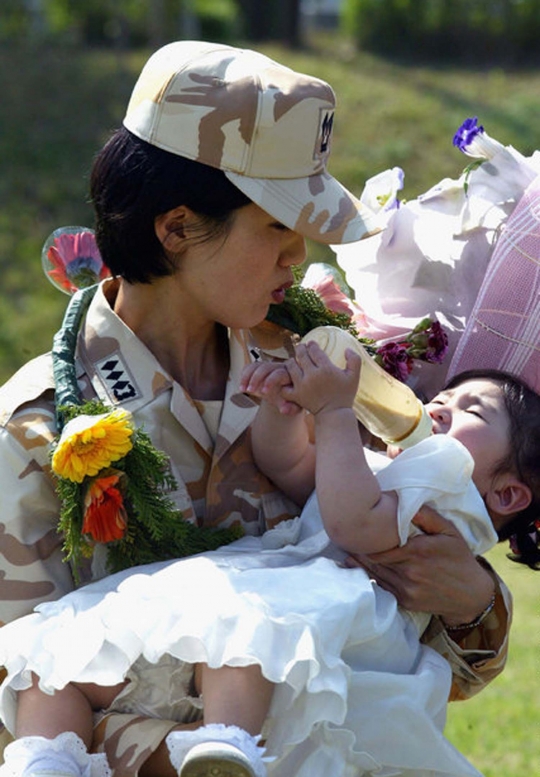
(384, 405)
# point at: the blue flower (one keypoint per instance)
(467, 133)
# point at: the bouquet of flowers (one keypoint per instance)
(431, 257)
(427, 341)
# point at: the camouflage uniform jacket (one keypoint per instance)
(218, 484)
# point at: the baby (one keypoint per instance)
(276, 639)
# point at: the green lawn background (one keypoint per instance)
(57, 107)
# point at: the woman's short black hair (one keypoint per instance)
(523, 407)
(133, 182)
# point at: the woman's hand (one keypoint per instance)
(434, 572)
(267, 380)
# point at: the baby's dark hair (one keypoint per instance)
(523, 407)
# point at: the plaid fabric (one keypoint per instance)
(503, 331)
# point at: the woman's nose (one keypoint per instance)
(294, 252)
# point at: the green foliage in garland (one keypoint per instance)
(156, 529)
(159, 530)
(303, 310)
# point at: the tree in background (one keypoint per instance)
(478, 31)
(151, 22)
(272, 20)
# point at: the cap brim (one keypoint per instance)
(317, 207)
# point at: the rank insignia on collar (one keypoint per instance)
(117, 378)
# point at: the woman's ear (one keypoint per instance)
(508, 495)
(170, 228)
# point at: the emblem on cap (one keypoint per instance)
(326, 122)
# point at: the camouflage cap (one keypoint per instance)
(266, 126)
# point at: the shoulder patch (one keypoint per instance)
(29, 383)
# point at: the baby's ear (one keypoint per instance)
(508, 495)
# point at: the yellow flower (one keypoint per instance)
(91, 442)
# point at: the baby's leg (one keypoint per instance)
(53, 732)
(236, 703)
(236, 696)
(70, 709)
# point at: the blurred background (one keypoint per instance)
(406, 73)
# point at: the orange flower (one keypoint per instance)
(105, 517)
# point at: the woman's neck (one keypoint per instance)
(193, 350)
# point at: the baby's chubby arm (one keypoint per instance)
(281, 438)
(355, 512)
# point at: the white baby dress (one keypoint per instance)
(356, 693)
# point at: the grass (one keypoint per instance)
(497, 730)
(57, 108)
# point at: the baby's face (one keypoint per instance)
(474, 413)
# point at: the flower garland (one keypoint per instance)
(112, 486)
(112, 483)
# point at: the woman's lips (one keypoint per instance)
(278, 295)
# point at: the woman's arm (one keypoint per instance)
(32, 564)
(479, 654)
(436, 572)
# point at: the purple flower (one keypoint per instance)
(428, 341)
(467, 133)
(437, 344)
(395, 359)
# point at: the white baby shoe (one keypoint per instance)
(216, 759)
(216, 751)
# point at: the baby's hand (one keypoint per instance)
(317, 384)
(267, 381)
